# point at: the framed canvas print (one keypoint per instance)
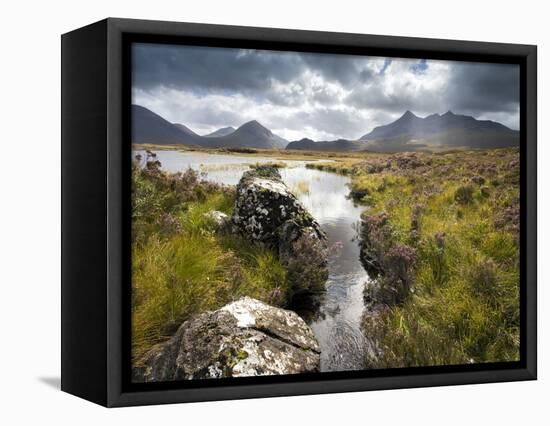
(252, 212)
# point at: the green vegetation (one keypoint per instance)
(275, 164)
(442, 231)
(300, 187)
(440, 235)
(281, 154)
(181, 263)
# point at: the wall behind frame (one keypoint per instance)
(31, 200)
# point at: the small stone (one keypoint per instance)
(221, 221)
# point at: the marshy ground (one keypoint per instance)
(444, 231)
(441, 231)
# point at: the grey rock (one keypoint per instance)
(244, 338)
(221, 221)
(268, 213)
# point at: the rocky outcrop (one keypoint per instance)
(268, 213)
(244, 338)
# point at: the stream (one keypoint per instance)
(336, 317)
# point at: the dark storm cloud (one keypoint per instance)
(210, 68)
(482, 88)
(346, 70)
(477, 89)
(201, 68)
(330, 95)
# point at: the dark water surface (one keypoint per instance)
(336, 320)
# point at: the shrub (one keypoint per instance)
(241, 150)
(435, 255)
(158, 198)
(395, 281)
(479, 180)
(483, 278)
(508, 218)
(415, 221)
(485, 191)
(464, 194)
(277, 165)
(375, 240)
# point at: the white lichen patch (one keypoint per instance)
(214, 371)
(271, 185)
(263, 362)
(244, 311)
(287, 325)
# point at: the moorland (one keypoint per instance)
(436, 235)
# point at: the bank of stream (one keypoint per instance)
(334, 316)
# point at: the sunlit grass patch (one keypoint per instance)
(194, 272)
(276, 164)
(300, 188)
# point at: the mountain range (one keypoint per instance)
(408, 133)
(447, 130)
(148, 127)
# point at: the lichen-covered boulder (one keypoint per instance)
(264, 203)
(268, 213)
(244, 338)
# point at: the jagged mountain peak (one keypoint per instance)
(448, 129)
(409, 114)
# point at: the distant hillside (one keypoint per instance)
(185, 129)
(224, 131)
(410, 132)
(250, 135)
(334, 146)
(148, 127)
(407, 133)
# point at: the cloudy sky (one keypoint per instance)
(319, 96)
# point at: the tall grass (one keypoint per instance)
(189, 267)
(464, 303)
(300, 187)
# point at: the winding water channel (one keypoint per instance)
(337, 316)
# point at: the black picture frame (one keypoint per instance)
(95, 211)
